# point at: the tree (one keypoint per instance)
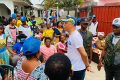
(49, 4)
(67, 4)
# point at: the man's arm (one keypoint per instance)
(84, 56)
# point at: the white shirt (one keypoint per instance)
(27, 31)
(75, 41)
(115, 39)
(78, 27)
(1, 36)
(93, 28)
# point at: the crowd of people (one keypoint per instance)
(57, 50)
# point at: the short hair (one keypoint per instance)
(29, 57)
(58, 67)
(20, 36)
(47, 38)
(10, 19)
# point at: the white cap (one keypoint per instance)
(116, 22)
(101, 33)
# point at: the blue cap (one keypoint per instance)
(84, 20)
(52, 17)
(78, 19)
(33, 21)
(94, 16)
(31, 46)
(69, 20)
(23, 18)
(14, 16)
(72, 18)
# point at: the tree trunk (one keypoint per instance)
(68, 12)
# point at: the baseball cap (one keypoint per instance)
(101, 33)
(23, 18)
(31, 46)
(116, 22)
(33, 21)
(94, 16)
(69, 20)
(84, 20)
(52, 17)
(14, 15)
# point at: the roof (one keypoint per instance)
(37, 2)
(23, 2)
(112, 4)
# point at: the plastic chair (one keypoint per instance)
(9, 70)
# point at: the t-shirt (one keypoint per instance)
(27, 31)
(47, 52)
(75, 41)
(115, 39)
(78, 27)
(48, 33)
(93, 28)
(18, 23)
(13, 33)
(17, 47)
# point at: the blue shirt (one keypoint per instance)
(17, 47)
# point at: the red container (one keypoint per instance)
(83, 13)
(105, 16)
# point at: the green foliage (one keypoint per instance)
(62, 3)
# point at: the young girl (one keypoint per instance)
(4, 55)
(38, 34)
(61, 46)
(11, 32)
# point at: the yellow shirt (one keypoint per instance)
(48, 33)
(60, 29)
(18, 23)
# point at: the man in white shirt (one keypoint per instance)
(94, 25)
(76, 52)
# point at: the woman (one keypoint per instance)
(11, 32)
(30, 67)
(4, 55)
(100, 43)
(60, 26)
(48, 50)
(61, 46)
(58, 31)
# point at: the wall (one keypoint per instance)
(71, 13)
(35, 12)
(4, 11)
(9, 4)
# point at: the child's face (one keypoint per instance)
(62, 38)
(60, 24)
(1, 29)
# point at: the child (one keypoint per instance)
(4, 54)
(38, 34)
(61, 46)
(18, 46)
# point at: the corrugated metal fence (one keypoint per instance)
(105, 16)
